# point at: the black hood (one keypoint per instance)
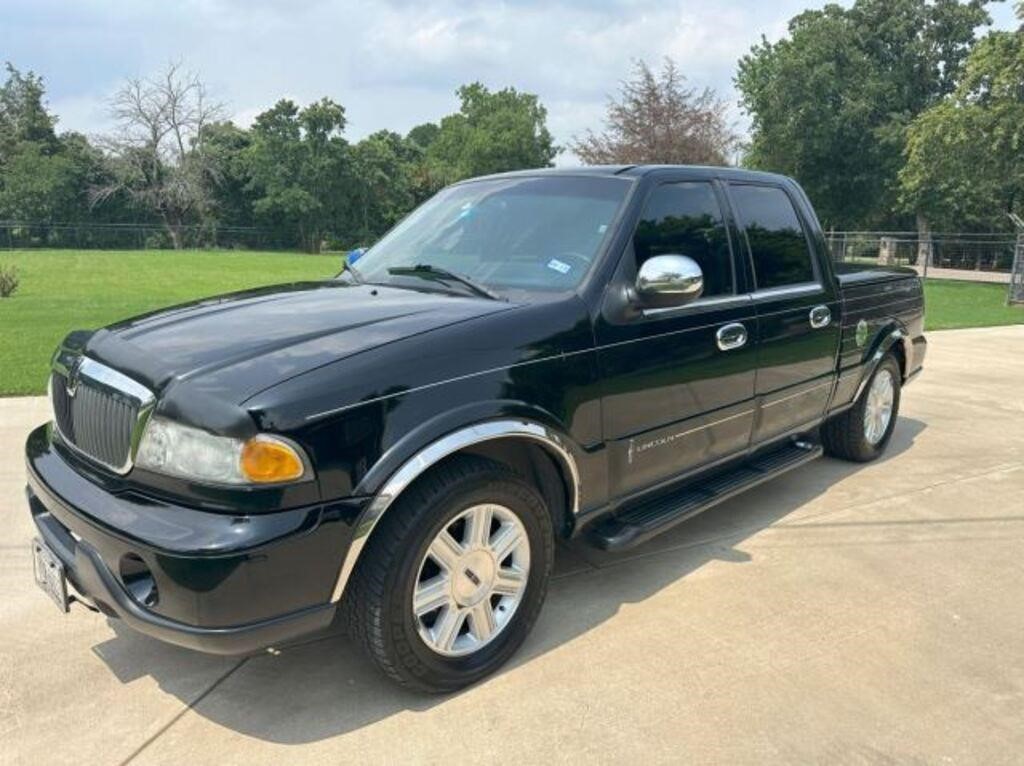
(234, 346)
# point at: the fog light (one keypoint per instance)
(138, 580)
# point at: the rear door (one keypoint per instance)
(675, 398)
(797, 309)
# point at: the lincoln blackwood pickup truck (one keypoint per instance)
(595, 354)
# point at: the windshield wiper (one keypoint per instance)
(428, 271)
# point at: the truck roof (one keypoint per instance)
(637, 171)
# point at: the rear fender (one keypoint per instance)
(892, 338)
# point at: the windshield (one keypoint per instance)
(513, 233)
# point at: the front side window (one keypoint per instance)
(776, 237)
(686, 219)
(532, 234)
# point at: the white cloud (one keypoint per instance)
(392, 64)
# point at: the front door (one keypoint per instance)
(797, 308)
(679, 383)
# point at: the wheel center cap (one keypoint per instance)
(474, 577)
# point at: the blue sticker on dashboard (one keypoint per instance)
(559, 266)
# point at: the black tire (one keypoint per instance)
(843, 436)
(379, 596)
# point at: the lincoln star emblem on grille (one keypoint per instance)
(72, 378)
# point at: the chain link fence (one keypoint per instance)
(970, 257)
(975, 257)
(1016, 295)
(21, 235)
(986, 257)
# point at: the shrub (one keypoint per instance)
(8, 281)
(158, 240)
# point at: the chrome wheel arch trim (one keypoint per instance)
(889, 341)
(434, 453)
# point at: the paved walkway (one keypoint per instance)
(840, 614)
(965, 275)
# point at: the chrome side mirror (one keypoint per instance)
(669, 280)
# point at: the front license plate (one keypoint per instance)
(49, 573)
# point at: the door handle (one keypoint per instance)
(731, 336)
(820, 317)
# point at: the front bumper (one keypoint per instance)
(214, 582)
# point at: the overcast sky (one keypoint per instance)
(391, 63)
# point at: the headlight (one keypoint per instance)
(191, 453)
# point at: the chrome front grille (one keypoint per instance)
(99, 412)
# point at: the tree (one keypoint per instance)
(43, 176)
(40, 187)
(965, 156)
(424, 135)
(657, 119)
(384, 167)
(831, 103)
(492, 132)
(157, 156)
(299, 169)
(232, 195)
(23, 115)
(424, 178)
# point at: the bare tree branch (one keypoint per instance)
(156, 155)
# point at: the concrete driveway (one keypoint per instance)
(840, 614)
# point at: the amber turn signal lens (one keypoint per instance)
(266, 461)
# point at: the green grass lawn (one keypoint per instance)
(950, 304)
(66, 290)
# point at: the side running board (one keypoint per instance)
(639, 523)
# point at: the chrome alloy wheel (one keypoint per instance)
(878, 411)
(471, 580)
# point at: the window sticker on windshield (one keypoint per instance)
(559, 266)
(602, 228)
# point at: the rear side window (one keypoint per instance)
(685, 219)
(776, 237)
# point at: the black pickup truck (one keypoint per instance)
(597, 353)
